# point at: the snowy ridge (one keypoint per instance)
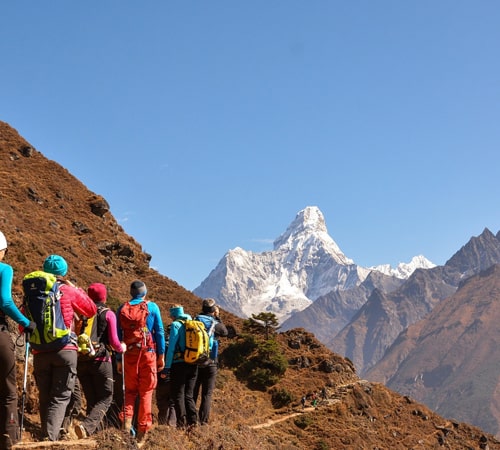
(404, 270)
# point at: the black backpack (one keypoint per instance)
(92, 337)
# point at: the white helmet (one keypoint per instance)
(3, 242)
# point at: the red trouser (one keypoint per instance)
(139, 370)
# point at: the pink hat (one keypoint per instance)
(97, 292)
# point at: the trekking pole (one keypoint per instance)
(25, 380)
(123, 389)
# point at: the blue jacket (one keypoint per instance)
(176, 342)
(7, 304)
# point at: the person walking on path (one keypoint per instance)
(55, 370)
(182, 375)
(140, 327)
(207, 373)
(96, 373)
(165, 400)
(164, 395)
(8, 386)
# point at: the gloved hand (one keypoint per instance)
(30, 328)
(124, 347)
(160, 363)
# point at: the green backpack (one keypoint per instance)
(42, 295)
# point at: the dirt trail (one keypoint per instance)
(80, 444)
(334, 397)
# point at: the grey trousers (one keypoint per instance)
(55, 375)
(96, 379)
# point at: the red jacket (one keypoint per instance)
(73, 300)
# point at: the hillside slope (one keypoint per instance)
(44, 209)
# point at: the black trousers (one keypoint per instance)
(183, 379)
(165, 402)
(96, 380)
(206, 381)
(8, 391)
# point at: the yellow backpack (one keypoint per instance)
(197, 342)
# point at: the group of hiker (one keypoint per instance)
(88, 344)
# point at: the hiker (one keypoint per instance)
(140, 327)
(165, 400)
(207, 373)
(303, 401)
(164, 395)
(8, 387)
(182, 374)
(55, 367)
(96, 372)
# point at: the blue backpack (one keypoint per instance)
(209, 323)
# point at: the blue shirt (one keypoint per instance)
(7, 305)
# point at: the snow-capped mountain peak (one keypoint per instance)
(309, 229)
(304, 265)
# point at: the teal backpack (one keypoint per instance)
(42, 295)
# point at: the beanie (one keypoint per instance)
(208, 305)
(55, 265)
(3, 242)
(97, 292)
(176, 311)
(138, 289)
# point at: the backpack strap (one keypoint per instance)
(212, 328)
(178, 352)
(101, 321)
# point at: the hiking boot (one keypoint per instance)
(140, 438)
(80, 431)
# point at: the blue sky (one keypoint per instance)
(209, 125)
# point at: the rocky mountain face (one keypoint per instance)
(44, 210)
(379, 321)
(304, 265)
(330, 313)
(450, 360)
